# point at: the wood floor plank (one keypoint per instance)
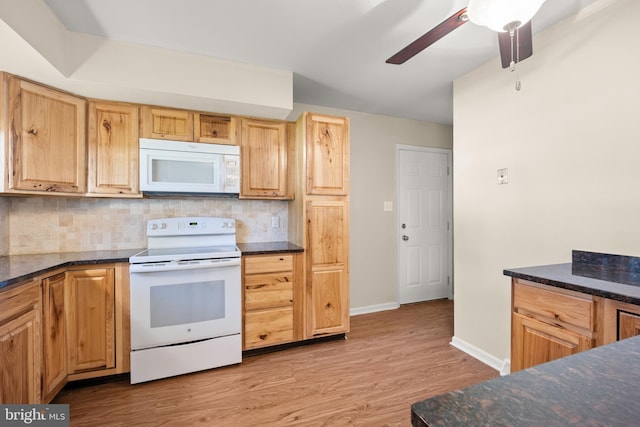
(389, 360)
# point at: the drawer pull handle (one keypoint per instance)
(33, 131)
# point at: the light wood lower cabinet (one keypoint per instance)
(69, 325)
(549, 323)
(327, 276)
(622, 320)
(90, 307)
(272, 295)
(54, 335)
(21, 344)
(539, 342)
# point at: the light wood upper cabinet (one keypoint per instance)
(215, 129)
(46, 133)
(113, 149)
(165, 123)
(264, 160)
(90, 311)
(20, 344)
(327, 261)
(327, 155)
(55, 335)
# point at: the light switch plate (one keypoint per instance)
(503, 177)
(388, 206)
(275, 222)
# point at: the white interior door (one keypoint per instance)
(424, 224)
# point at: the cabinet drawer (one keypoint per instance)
(268, 327)
(267, 291)
(268, 264)
(570, 309)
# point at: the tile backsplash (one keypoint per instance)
(4, 226)
(59, 224)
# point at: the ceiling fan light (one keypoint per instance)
(499, 14)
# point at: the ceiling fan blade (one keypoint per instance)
(523, 40)
(430, 37)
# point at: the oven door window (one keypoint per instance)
(178, 306)
(186, 303)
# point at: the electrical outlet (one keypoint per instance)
(275, 222)
(388, 206)
(503, 177)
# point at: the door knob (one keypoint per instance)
(403, 226)
(405, 238)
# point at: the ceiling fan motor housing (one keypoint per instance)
(502, 15)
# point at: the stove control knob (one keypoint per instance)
(164, 225)
(154, 226)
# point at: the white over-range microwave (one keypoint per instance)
(188, 167)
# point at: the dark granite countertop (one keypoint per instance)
(18, 268)
(263, 248)
(562, 276)
(599, 387)
(15, 269)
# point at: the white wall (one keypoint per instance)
(571, 141)
(373, 139)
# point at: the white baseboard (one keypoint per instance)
(374, 308)
(503, 366)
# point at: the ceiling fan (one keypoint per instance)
(511, 19)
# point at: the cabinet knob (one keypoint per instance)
(33, 131)
(107, 125)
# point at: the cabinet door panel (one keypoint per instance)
(19, 365)
(162, 123)
(55, 336)
(327, 253)
(327, 232)
(628, 325)
(113, 148)
(48, 141)
(329, 308)
(327, 142)
(90, 319)
(264, 159)
(535, 342)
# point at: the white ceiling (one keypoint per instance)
(335, 48)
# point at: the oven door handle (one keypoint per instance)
(157, 267)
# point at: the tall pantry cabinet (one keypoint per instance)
(319, 220)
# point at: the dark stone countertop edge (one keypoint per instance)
(16, 269)
(561, 276)
(594, 387)
(265, 248)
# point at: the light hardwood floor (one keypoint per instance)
(389, 360)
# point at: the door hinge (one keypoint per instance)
(448, 226)
(448, 280)
(448, 172)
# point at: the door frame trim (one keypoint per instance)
(449, 153)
